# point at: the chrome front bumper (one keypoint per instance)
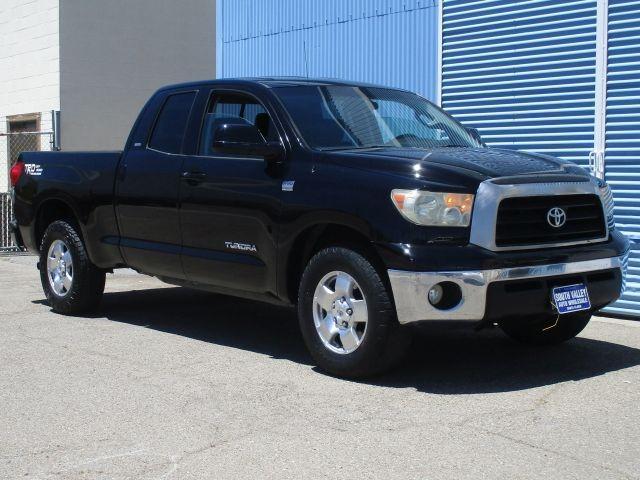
(410, 288)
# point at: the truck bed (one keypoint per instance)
(81, 181)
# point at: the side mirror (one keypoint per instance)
(475, 134)
(246, 139)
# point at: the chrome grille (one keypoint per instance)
(607, 202)
(493, 192)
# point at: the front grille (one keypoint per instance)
(523, 220)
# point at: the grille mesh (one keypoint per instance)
(523, 220)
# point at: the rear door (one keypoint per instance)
(148, 188)
(230, 203)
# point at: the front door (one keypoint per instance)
(230, 203)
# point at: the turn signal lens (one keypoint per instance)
(16, 173)
(434, 208)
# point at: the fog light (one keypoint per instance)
(445, 295)
(435, 294)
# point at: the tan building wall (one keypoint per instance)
(114, 54)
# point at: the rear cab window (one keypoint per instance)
(169, 130)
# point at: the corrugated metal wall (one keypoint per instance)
(523, 73)
(622, 146)
(391, 42)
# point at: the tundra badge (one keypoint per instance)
(246, 247)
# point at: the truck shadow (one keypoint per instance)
(444, 359)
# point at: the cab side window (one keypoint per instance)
(171, 123)
(234, 108)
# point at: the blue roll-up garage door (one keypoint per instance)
(622, 141)
(523, 72)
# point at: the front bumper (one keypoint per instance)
(495, 293)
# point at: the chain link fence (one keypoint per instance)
(17, 135)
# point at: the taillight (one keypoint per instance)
(16, 173)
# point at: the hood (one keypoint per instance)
(479, 163)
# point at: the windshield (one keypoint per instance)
(341, 117)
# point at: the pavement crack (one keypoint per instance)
(579, 460)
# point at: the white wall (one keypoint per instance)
(29, 65)
(116, 53)
(29, 56)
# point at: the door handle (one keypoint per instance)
(122, 173)
(194, 177)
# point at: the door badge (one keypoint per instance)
(287, 185)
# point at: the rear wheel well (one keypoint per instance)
(318, 237)
(51, 211)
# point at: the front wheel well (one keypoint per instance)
(51, 211)
(315, 238)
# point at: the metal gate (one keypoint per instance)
(6, 214)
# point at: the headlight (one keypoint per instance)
(434, 208)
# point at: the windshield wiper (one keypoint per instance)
(353, 147)
(366, 147)
(330, 149)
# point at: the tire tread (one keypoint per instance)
(88, 282)
(391, 341)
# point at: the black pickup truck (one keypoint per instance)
(367, 207)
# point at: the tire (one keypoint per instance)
(70, 289)
(379, 345)
(539, 331)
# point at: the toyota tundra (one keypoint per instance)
(368, 208)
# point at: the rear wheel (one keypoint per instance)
(545, 330)
(347, 317)
(71, 283)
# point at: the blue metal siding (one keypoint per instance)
(622, 151)
(523, 72)
(390, 42)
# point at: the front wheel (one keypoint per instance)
(346, 315)
(71, 283)
(547, 330)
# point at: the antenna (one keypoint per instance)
(306, 62)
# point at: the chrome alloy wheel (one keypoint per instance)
(340, 312)
(59, 268)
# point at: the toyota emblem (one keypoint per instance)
(556, 217)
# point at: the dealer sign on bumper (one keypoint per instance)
(571, 298)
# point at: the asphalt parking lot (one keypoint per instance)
(169, 383)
